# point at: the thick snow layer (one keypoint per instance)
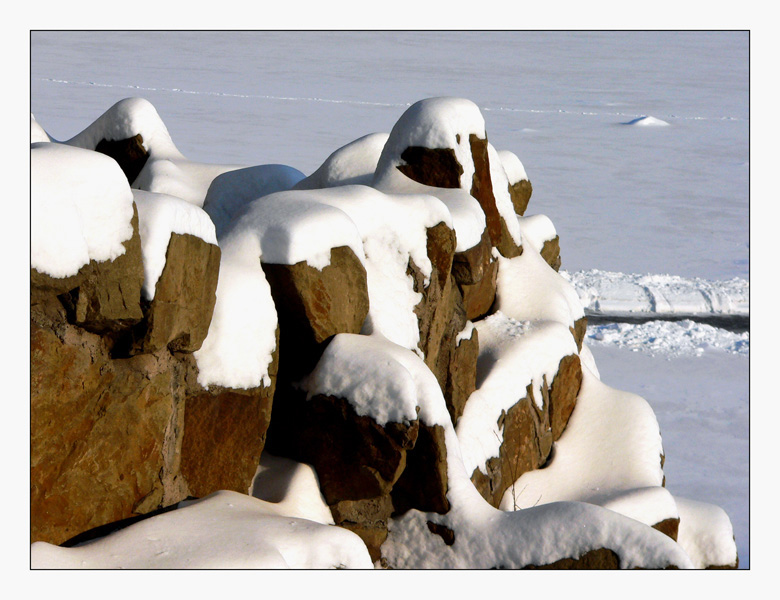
(293, 226)
(292, 486)
(514, 169)
(433, 123)
(180, 177)
(125, 119)
(616, 294)
(230, 192)
(37, 133)
(512, 355)
(500, 182)
(225, 530)
(393, 229)
(380, 379)
(706, 534)
(610, 446)
(587, 358)
(468, 218)
(159, 216)
(242, 335)
(669, 338)
(647, 121)
(528, 289)
(81, 208)
(486, 538)
(352, 164)
(536, 230)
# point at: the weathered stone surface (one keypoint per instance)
(529, 432)
(314, 305)
(435, 309)
(461, 375)
(551, 252)
(437, 167)
(355, 457)
(469, 266)
(423, 484)
(103, 432)
(563, 393)
(579, 330)
(482, 190)
(520, 192)
(478, 298)
(367, 518)
(129, 153)
(224, 433)
(180, 312)
(668, 527)
(103, 297)
(602, 558)
(224, 436)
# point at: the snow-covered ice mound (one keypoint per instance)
(647, 121)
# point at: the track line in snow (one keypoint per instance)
(369, 103)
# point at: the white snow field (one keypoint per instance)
(636, 144)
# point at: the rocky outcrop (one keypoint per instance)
(104, 296)
(121, 426)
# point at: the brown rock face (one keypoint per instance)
(478, 297)
(180, 312)
(520, 192)
(668, 527)
(435, 309)
(224, 436)
(563, 393)
(461, 375)
(579, 330)
(602, 558)
(315, 305)
(437, 167)
(482, 190)
(423, 484)
(551, 252)
(529, 432)
(129, 153)
(355, 457)
(103, 432)
(367, 518)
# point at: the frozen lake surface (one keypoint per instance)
(636, 144)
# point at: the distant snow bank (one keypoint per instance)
(605, 293)
(669, 338)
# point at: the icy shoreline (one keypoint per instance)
(610, 294)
